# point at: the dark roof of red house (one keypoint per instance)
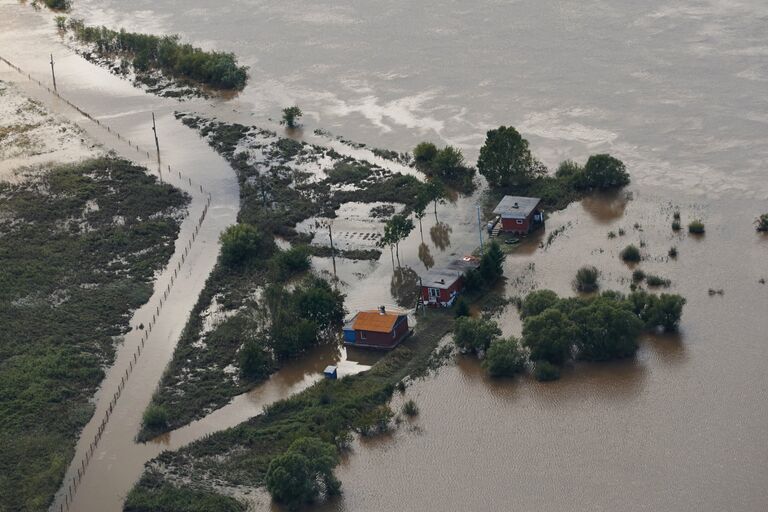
(516, 207)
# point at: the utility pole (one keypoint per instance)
(53, 74)
(333, 251)
(479, 227)
(157, 144)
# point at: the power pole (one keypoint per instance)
(479, 227)
(53, 74)
(333, 251)
(157, 144)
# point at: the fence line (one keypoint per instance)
(69, 487)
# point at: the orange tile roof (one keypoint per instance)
(375, 322)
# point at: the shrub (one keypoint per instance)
(586, 279)
(675, 225)
(676, 215)
(663, 311)
(611, 234)
(410, 409)
(638, 276)
(474, 334)
(672, 252)
(696, 227)
(545, 371)
(255, 362)
(302, 472)
(423, 154)
(653, 280)
(241, 243)
(462, 308)
(291, 262)
(504, 358)
(630, 254)
(568, 169)
(603, 172)
(155, 417)
(622, 232)
(606, 330)
(291, 115)
(549, 336)
(762, 223)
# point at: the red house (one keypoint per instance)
(376, 329)
(519, 215)
(440, 287)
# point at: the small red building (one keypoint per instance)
(519, 215)
(376, 329)
(441, 286)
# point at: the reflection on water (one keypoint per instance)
(605, 207)
(404, 287)
(441, 235)
(426, 256)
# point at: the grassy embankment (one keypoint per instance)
(275, 195)
(329, 410)
(146, 55)
(78, 250)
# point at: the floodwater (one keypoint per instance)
(676, 91)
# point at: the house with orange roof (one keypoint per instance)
(377, 328)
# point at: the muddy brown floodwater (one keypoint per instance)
(676, 91)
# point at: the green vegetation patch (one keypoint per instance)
(78, 250)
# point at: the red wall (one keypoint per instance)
(445, 294)
(511, 225)
(384, 339)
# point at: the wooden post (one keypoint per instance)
(53, 74)
(157, 144)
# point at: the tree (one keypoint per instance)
(537, 302)
(290, 480)
(568, 169)
(586, 279)
(492, 263)
(549, 336)
(420, 208)
(240, 243)
(663, 311)
(603, 172)
(255, 361)
(504, 358)
(606, 330)
(423, 154)
(462, 308)
(630, 254)
(395, 230)
(435, 192)
(449, 166)
(291, 115)
(506, 161)
(474, 334)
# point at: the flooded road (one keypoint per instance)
(677, 92)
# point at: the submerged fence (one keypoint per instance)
(77, 470)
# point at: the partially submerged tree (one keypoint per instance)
(242, 242)
(423, 155)
(291, 115)
(761, 223)
(474, 334)
(304, 471)
(395, 230)
(603, 172)
(505, 358)
(506, 160)
(549, 336)
(586, 279)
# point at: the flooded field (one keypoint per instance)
(676, 92)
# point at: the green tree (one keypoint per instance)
(155, 416)
(663, 311)
(290, 480)
(568, 169)
(504, 358)
(255, 361)
(449, 165)
(474, 334)
(506, 160)
(606, 330)
(291, 116)
(586, 279)
(537, 302)
(549, 336)
(603, 172)
(395, 230)
(492, 263)
(420, 208)
(423, 154)
(242, 242)
(435, 192)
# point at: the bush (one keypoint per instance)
(291, 115)
(255, 362)
(696, 227)
(423, 154)
(462, 308)
(474, 334)
(242, 243)
(676, 215)
(663, 311)
(630, 254)
(762, 223)
(300, 474)
(504, 358)
(672, 252)
(586, 279)
(410, 409)
(549, 336)
(606, 330)
(568, 169)
(653, 280)
(291, 262)
(675, 225)
(155, 417)
(545, 371)
(603, 172)
(638, 276)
